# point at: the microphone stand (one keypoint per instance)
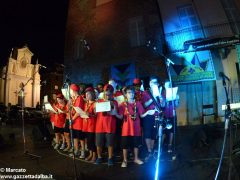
(167, 63)
(158, 125)
(228, 124)
(160, 128)
(25, 152)
(67, 84)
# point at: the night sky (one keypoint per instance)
(39, 24)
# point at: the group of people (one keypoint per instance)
(137, 111)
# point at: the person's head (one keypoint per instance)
(113, 82)
(96, 91)
(90, 94)
(54, 97)
(74, 90)
(130, 92)
(137, 84)
(82, 87)
(60, 99)
(153, 81)
(108, 92)
(100, 87)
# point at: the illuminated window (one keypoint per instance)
(100, 2)
(187, 16)
(136, 32)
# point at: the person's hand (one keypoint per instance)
(155, 91)
(156, 110)
(151, 112)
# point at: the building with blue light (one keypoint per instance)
(201, 37)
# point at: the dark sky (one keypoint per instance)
(40, 24)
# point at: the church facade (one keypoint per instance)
(20, 78)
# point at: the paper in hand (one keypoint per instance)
(171, 93)
(65, 93)
(45, 99)
(155, 91)
(80, 112)
(103, 106)
(59, 110)
(48, 106)
(120, 99)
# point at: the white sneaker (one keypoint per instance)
(66, 149)
(82, 156)
(138, 161)
(70, 150)
(56, 146)
(76, 152)
(62, 146)
(124, 164)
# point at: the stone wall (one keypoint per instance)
(106, 29)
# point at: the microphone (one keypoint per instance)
(62, 65)
(222, 75)
(42, 66)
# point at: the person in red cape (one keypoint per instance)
(77, 121)
(118, 95)
(59, 122)
(131, 111)
(106, 125)
(137, 85)
(90, 123)
(114, 84)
